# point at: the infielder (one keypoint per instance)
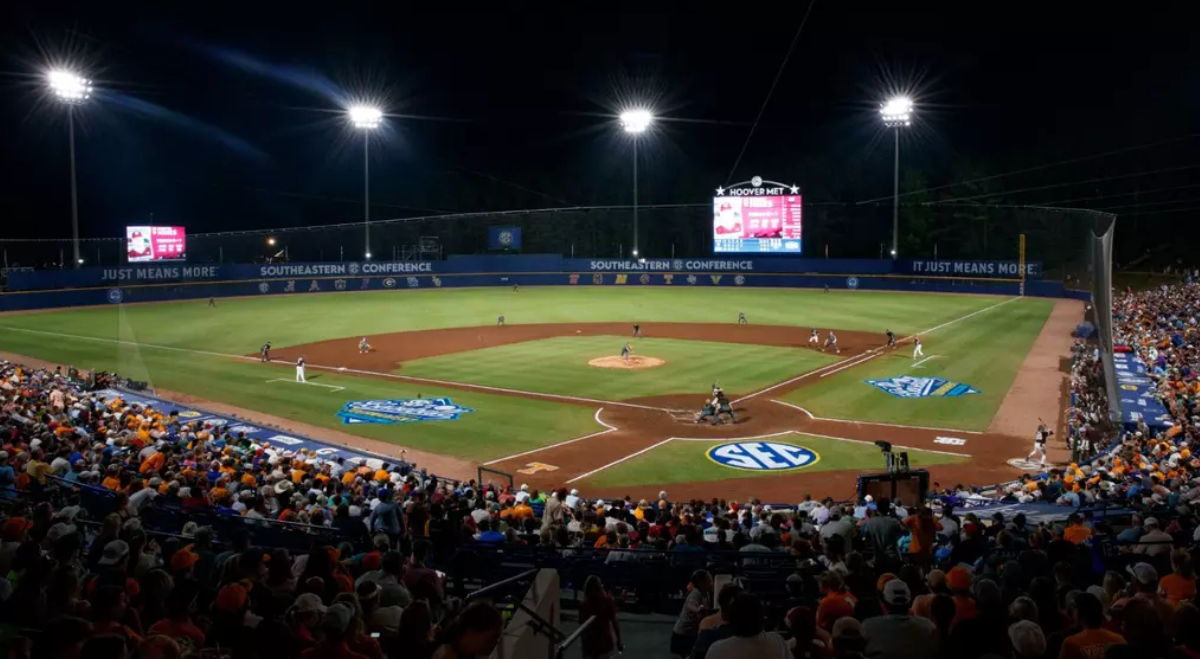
(626, 351)
(637, 329)
(264, 353)
(300, 369)
(1039, 443)
(814, 337)
(831, 342)
(500, 321)
(363, 346)
(917, 352)
(742, 318)
(891, 339)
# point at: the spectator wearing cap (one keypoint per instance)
(1145, 586)
(14, 531)
(847, 639)
(716, 626)
(958, 580)
(896, 634)
(1154, 542)
(113, 570)
(922, 604)
(1026, 640)
(335, 628)
(304, 618)
(750, 639)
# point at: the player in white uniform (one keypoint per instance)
(300, 370)
(917, 347)
(1039, 443)
(814, 337)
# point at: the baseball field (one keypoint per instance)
(548, 398)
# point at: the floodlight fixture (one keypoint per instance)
(636, 121)
(897, 112)
(69, 87)
(365, 116)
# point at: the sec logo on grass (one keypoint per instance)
(762, 456)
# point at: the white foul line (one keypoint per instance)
(315, 384)
(875, 350)
(343, 370)
(842, 368)
(918, 364)
(619, 461)
(569, 441)
(874, 423)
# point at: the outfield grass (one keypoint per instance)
(500, 425)
(984, 351)
(560, 365)
(241, 325)
(683, 461)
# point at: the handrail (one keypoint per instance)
(524, 575)
(568, 641)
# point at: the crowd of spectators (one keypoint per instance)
(869, 578)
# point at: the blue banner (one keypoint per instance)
(503, 239)
(1137, 395)
(955, 268)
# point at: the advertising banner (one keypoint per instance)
(1137, 395)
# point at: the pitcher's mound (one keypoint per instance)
(635, 361)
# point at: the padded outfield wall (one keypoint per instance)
(165, 282)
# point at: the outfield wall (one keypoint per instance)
(164, 282)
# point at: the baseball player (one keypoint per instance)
(626, 351)
(814, 337)
(363, 346)
(1039, 443)
(516, 288)
(300, 369)
(500, 321)
(891, 339)
(742, 318)
(917, 352)
(831, 342)
(212, 301)
(264, 353)
(637, 329)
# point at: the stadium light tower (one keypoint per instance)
(897, 114)
(71, 89)
(636, 122)
(366, 119)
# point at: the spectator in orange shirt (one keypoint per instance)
(1180, 585)
(1076, 533)
(836, 601)
(959, 581)
(112, 479)
(1094, 640)
(154, 462)
(923, 528)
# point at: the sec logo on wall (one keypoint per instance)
(762, 456)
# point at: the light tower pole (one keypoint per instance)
(897, 114)
(636, 122)
(366, 119)
(71, 89)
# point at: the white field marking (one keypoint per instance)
(874, 423)
(918, 364)
(736, 439)
(569, 441)
(894, 446)
(619, 461)
(875, 350)
(861, 361)
(343, 370)
(315, 384)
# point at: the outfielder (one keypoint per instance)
(363, 346)
(742, 318)
(814, 337)
(831, 341)
(891, 339)
(626, 351)
(917, 352)
(300, 370)
(212, 301)
(1039, 443)
(264, 353)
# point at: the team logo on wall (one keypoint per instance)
(314, 286)
(413, 282)
(339, 284)
(716, 279)
(668, 279)
(411, 410)
(573, 279)
(437, 282)
(597, 279)
(290, 286)
(621, 279)
(677, 264)
(851, 282)
(739, 280)
(115, 296)
(263, 287)
(907, 386)
(645, 279)
(353, 268)
(389, 283)
(762, 456)
(691, 279)
(366, 283)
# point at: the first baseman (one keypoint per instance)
(831, 341)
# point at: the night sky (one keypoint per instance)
(231, 118)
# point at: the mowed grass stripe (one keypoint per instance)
(685, 461)
(241, 325)
(501, 425)
(560, 365)
(984, 352)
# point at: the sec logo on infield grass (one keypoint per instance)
(762, 456)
